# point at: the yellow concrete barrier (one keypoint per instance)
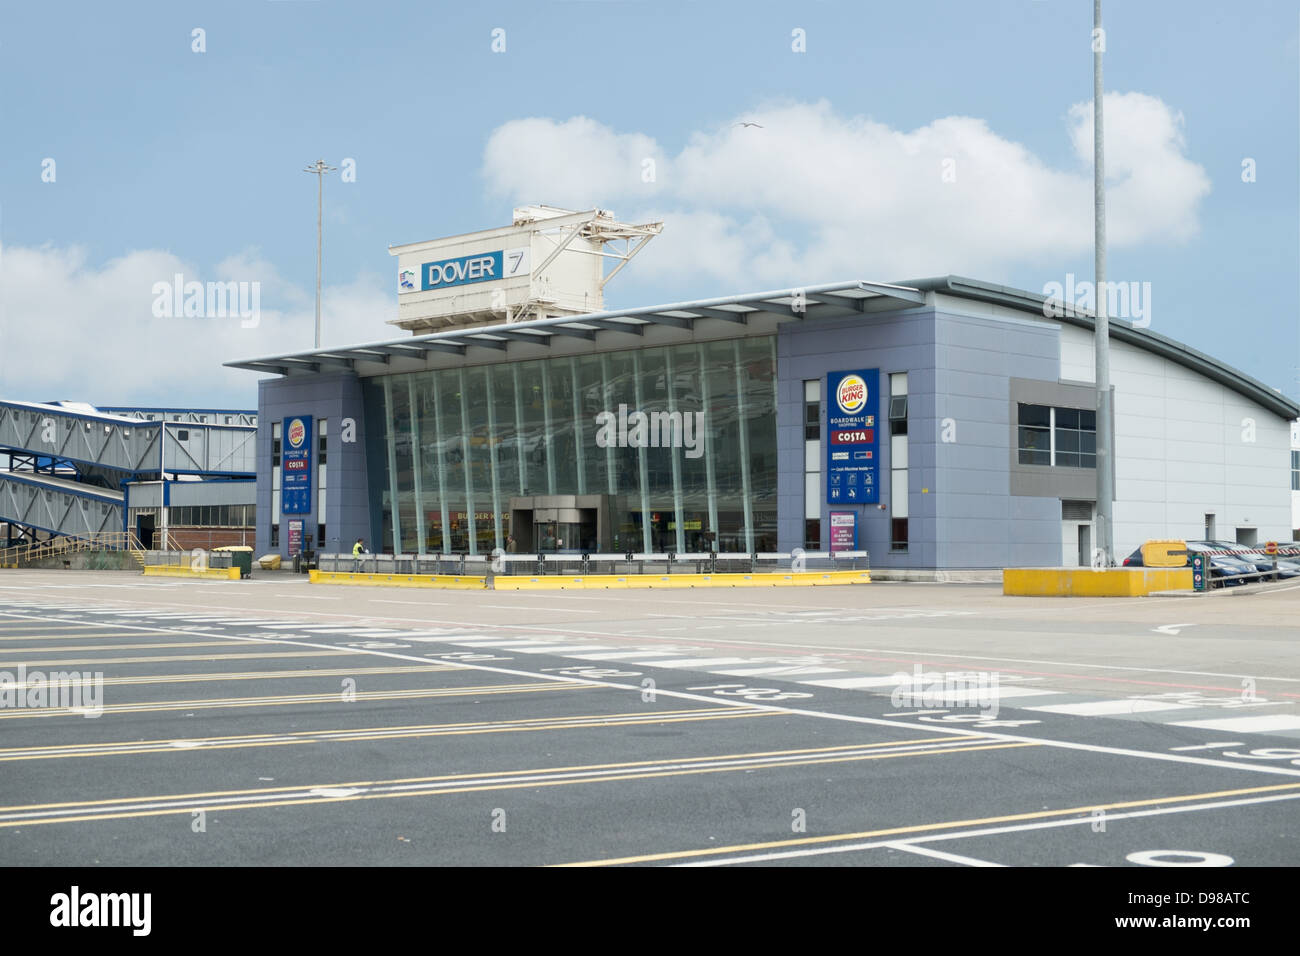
(185, 571)
(561, 582)
(1087, 582)
(446, 581)
(1156, 554)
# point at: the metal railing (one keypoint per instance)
(196, 559)
(208, 539)
(68, 544)
(595, 563)
(1253, 556)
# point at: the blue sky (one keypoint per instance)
(167, 159)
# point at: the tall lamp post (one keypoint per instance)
(1101, 325)
(320, 169)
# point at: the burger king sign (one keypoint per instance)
(852, 447)
(851, 395)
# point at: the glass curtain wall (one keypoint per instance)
(699, 474)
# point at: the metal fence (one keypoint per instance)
(586, 563)
(196, 559)
(1284, 562)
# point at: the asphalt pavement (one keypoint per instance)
(274, 723)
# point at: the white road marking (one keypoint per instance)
(851, 682)
(534, 607)
(1108, 708)
(527, 642)
(991, 831)
(1171, 629)
(941, 855)
(694, 662)
(620, 655)
(1259, 723)
(555, 648)
(909, 653)
(780, 671)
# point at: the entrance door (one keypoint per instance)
(521, 529)
(1085, 546)
(144, 530)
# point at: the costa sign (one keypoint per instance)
(855, 436)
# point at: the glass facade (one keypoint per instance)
(474, 459)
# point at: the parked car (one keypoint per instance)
(1228, 569)
(1258, 561)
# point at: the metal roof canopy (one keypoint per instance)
(832, 300)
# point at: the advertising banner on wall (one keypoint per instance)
(844, 531)
(295, 465)
(852, 448)
(295, 535)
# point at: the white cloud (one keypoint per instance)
(816, 196)
(71, 330)
(578, 162)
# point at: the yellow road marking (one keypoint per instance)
(532, 783)
(117, 647)
(176, 657)
(362, 730)
(506, 773)
(46, 628)
(281, 700)
(932, 827)
(275, 675)
(380, 733)
(74, 636)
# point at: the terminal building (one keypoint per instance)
(936, 423)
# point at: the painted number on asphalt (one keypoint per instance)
(591, 672)
(751, 693)
(977, 720)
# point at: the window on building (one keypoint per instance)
(1057, 437)
(812, 464)
(1075, 438)
(899, 495)
(275, 535)
(898, 408)
(812, 410)
(1295, 471)
(1035, 435)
